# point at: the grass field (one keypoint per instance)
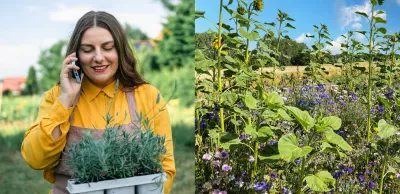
(18, 177)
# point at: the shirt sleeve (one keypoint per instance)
(162, 126)
(39, 149)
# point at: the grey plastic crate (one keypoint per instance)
(134, 185)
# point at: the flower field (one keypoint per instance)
(308, 132)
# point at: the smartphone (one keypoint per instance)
(77, 73)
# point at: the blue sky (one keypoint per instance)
(338, 15)
(28, 26)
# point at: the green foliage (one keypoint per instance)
(386, 130)
(22, 108)
(290, 52)
(31, 84)
(135, 33)
(115, 156)
(50, 61)
(314, 71)
(321, 181)
(177, 46)
(165, 79)
(289, 149)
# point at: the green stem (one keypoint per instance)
(254, 173)
(221, 110)
(384, 167)
(370, 75)
(303, 166)
(247, 40)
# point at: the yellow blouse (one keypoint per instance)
(42, 152)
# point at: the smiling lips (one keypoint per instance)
(100, 69)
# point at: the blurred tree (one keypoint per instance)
(301, 59)
(31, 84)
(135, 33)
(204, 42)
(177, 45)
(50, 64)
(287, 47)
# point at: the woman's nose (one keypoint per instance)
(98, 57)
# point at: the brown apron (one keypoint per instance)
(61, 171)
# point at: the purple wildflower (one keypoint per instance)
(226, 167)
(262, 146)
(216, 163)
(273, 175)
(219, 192)
(224, 155)
(207, 156)
(372, 163)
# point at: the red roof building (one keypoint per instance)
(12, 84)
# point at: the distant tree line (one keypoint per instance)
(292, 50)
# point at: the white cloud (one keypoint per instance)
(348, 17)
(152, 25)
(22, 56)
(32, 8)
(356, 26)
(149, 18)
(69, 14)
(398, 2)
(303, 38)
(359, 37)
(335, 49)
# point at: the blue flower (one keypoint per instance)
(272, 142)
(285, 190)
(273, 175)
(337, 174)
(349, 170)
(202, 124)
(355, 98)
(371, 184)
(260, 186)
(216, 109)
(361, 177)
(302, 102)
(297, 161)
(244, 137)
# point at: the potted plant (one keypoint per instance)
(119, 162)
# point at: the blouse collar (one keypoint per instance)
(91, 91)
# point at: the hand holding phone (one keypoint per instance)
(76, 74)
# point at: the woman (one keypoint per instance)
(100, 47)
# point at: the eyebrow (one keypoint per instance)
(101, 44)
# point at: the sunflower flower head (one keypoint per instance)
(215, 43)
(240, 10)
(258, 5)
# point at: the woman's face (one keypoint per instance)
(98, 56)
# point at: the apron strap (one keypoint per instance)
(74, 105)
(133, 109)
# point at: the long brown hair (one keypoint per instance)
(127, 72)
